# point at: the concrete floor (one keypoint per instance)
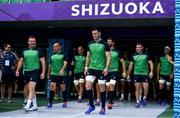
(76, 110)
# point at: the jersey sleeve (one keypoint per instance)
(107, 48)
(119, 54)
(41, 54)
(131, 58)
(65, 57)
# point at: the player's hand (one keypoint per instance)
(48, 77)
(86, 71)
(150, 75)
(128, 77)
(17, 73)
(171, 76)
(105, 72)
(42, 76)
(70, 73)
(124, 74)
(61, 73)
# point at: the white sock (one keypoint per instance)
(144, 97)
(25, 100)
(80, 97)
(28, 104)
(137, 101)
(34, 101)
(140, 98)
(122, 96)
(98, 100)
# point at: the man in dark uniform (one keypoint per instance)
(8, 75)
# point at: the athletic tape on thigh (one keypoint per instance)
(112, 82)
(107, 83)
(123, 79)
(128, 80)
(90, 78)
(76, 82)
(161, 81)
(168, 83)
(81, 81)
(101, 81)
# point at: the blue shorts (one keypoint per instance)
(140, 78)
(58, 79)
(31, 76)
(77, 76)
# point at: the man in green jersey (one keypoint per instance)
(140, 61)
(57, 72)
(165, 74)
(32, 59)
(97, 64)
(114, 70)
(79, 64)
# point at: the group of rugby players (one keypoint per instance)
(99, 67)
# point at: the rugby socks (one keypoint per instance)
(34, 101)
(51, 97)
(161, 94)
(111, 96)
(28, 104)
(103, 99)
(64, 96)
(90, 97)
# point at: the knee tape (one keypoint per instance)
(90, 78)
(112, 82)
(161, 81)
(102, 82)
(81, 81)
(107, 83)
(76, 82)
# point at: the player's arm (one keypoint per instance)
(108, 59)
(64, 65)
(130, 68)
(171, 61)
(151, 68)
(87, 59)
(19, 66)
(49, 71)
(43, 65)
(158, 70)
(123, 67)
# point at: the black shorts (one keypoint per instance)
(98, 74)
(31, 76)
(77, 76)
(112, 75)
(140, 78)
(165, 77)
(58, 79)
(154, 79)
(8, 76)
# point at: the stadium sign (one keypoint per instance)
(106, 9)
(88, 9)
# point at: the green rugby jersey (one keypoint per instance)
(31, 58)
(57, 62)
(141, 66)
(115, 58)
(98, 54)
(166, 67)
(79, 63)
